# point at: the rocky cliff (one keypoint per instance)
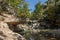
(7, 34)
(7, 19)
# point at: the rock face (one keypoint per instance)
(11, 19)
(7, 34)
(8, 18)
(23, 26)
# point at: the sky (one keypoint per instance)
(32, 3)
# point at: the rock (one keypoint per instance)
(7, 34)
(23, 26)
(36, 26)
(10, 19)
(1, 1)
(1, 18)
(15, 28)
(7, 16)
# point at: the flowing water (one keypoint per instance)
(43, 35)
(52, 35)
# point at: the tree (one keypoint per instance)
(14, 3)
(26, 10)
(38, 12)
(53, 13)
(20, 6)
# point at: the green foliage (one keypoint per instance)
(38, 12)
(20, 6)
(53, 12)
(14, 3)
(26, 10)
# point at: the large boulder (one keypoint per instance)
(10, 19)
(23, 26)
(7, 34)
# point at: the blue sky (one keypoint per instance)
(32, 3)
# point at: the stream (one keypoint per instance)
(51, 35)
(44, 34)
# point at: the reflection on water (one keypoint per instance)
(31, 38)
(42, 36)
